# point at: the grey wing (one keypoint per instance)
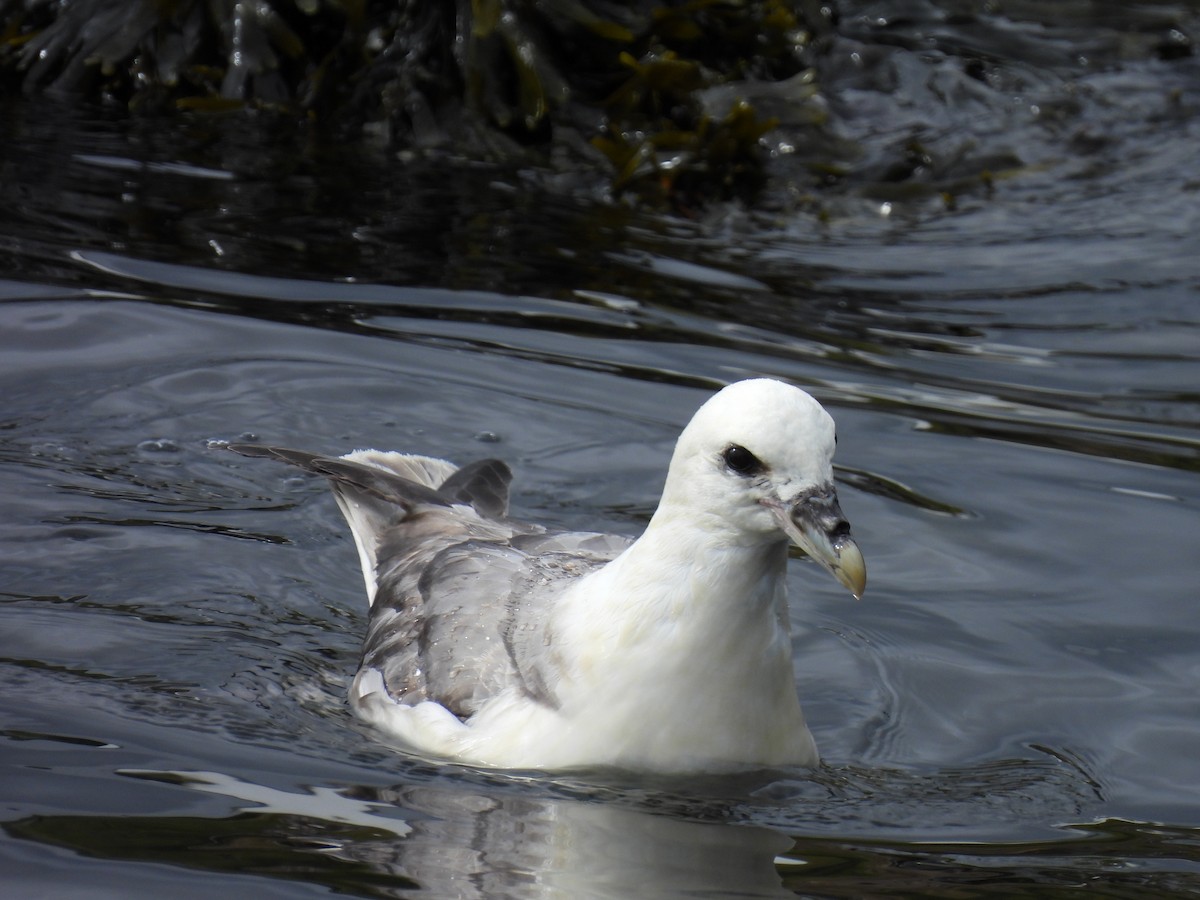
(554, 561)
(461, 596)
(475, 619)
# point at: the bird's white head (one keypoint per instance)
(755, 464)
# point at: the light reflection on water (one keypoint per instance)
(991, 687)
(1014, 383)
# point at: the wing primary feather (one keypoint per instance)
(378, 482)
(483, 485)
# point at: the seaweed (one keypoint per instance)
(675, 102)
(646, 91)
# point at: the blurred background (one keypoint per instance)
(546, 232)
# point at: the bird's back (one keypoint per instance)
(460, 595)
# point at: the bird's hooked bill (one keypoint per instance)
(815, 523)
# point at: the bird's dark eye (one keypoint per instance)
(741, 460)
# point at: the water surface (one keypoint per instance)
(1012, 706)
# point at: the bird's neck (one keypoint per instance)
(681, 646)
(676, 573)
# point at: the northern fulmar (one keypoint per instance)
(498, 643)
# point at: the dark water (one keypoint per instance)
(1013, 707)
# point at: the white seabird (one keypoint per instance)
(496, 643)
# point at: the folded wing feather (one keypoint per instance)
(461, 596)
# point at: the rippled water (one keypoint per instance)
(1012, 706)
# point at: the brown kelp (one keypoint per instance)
(678, 101)
(654, 90)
